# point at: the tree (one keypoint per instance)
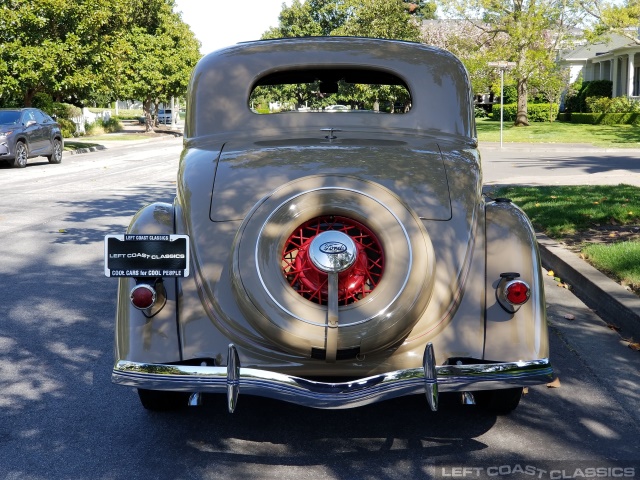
(162, 52)
(84, 51)
(56, 46)
(296, 21)
(395, 19)
(379, 19)
(421, 9)
(526, 32)
(367, 18)
(470, 44)
(550, 82)
(614, 17)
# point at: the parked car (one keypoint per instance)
(27, 133)
(337, 108)
(329, 260)
(165, 116)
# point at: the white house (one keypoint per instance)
(616, 59)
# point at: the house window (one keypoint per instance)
(636, 82)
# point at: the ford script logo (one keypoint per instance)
(333, 248)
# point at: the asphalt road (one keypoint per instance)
(61, 418)
(559, 164)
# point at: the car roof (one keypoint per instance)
(437, 80)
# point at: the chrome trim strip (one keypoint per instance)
(450, 378)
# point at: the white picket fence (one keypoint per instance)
(88, 117)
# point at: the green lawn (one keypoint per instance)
(625, 136)
(564, 210)
(561, 211)
(620, 260)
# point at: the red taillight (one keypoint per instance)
(143, 296)
(517, 292)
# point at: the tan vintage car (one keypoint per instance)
(329, 259)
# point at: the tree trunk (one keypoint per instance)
(522, 119)
(147, 116)
(28, 97)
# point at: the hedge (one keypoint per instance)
(594, 88)
(601, 118)
(536, 112)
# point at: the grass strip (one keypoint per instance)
(565, 210)
(622, 136)
(620, 260)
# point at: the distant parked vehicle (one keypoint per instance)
(336, 108)
(165, 116)
(27, 133)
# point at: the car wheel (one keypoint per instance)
(161, 401)
(380, 297)
(56, 154)
(500, 402)
(22, 155)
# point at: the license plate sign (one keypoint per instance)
(146, 255)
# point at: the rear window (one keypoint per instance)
(330, 91)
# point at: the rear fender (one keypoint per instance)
(512, 247)
(139, 338)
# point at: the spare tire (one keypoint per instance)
(284, 296)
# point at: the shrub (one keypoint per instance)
(65, 110)
(536, 112)
(611, 105)
(43, 101)
(571, 101)
(598, 104)
(112, 125)
(94, 128)
(606, 118)
(480, 113)
(68, 127)
(510, 94)
(597, 88)
(624, 105)
(101, 126)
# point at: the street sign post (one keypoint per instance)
(502, 66)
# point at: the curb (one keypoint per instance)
(167, 136)
(554, 147)
(85, 150)
(611, 301)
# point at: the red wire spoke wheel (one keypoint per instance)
(355, 283)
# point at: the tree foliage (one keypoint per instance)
(612, 16)
(93, 51)
(526, 32)
(395, 19)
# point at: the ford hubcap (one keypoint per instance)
(333, 244)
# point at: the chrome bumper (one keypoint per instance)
(429, 380)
